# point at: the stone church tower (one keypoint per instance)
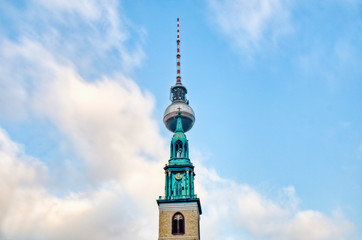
(179, 209)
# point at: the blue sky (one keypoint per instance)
(275, 85)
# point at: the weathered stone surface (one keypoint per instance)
(191, 225)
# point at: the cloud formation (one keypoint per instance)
(242, 209)
(110, 130)
(108, 121)
(30, 211)
(250, 24)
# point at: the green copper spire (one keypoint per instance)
(179, 127)
(179, 145)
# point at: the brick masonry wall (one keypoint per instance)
(191, 225)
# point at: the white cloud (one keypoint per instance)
(109, 123)
(112, 211)
(90, 32)
(250, 24)
(88, 9)
(29, 211)
(240, 208)
(112, 111)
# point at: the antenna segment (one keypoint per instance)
(178, 77)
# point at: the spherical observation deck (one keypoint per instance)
(173, 111)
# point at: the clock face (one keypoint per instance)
(178, 176)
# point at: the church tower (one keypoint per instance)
(179, 209)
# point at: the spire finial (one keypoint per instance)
(178, 77)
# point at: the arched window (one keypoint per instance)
(178, 224)
(178, 148)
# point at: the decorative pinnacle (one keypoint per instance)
(178, 77)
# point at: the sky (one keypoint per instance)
(276, 89)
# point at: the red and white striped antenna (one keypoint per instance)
(178, 77)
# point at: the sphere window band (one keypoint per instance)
(172, 112)
(178, 224)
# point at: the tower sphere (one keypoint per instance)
(180, 105)
(173, 111)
